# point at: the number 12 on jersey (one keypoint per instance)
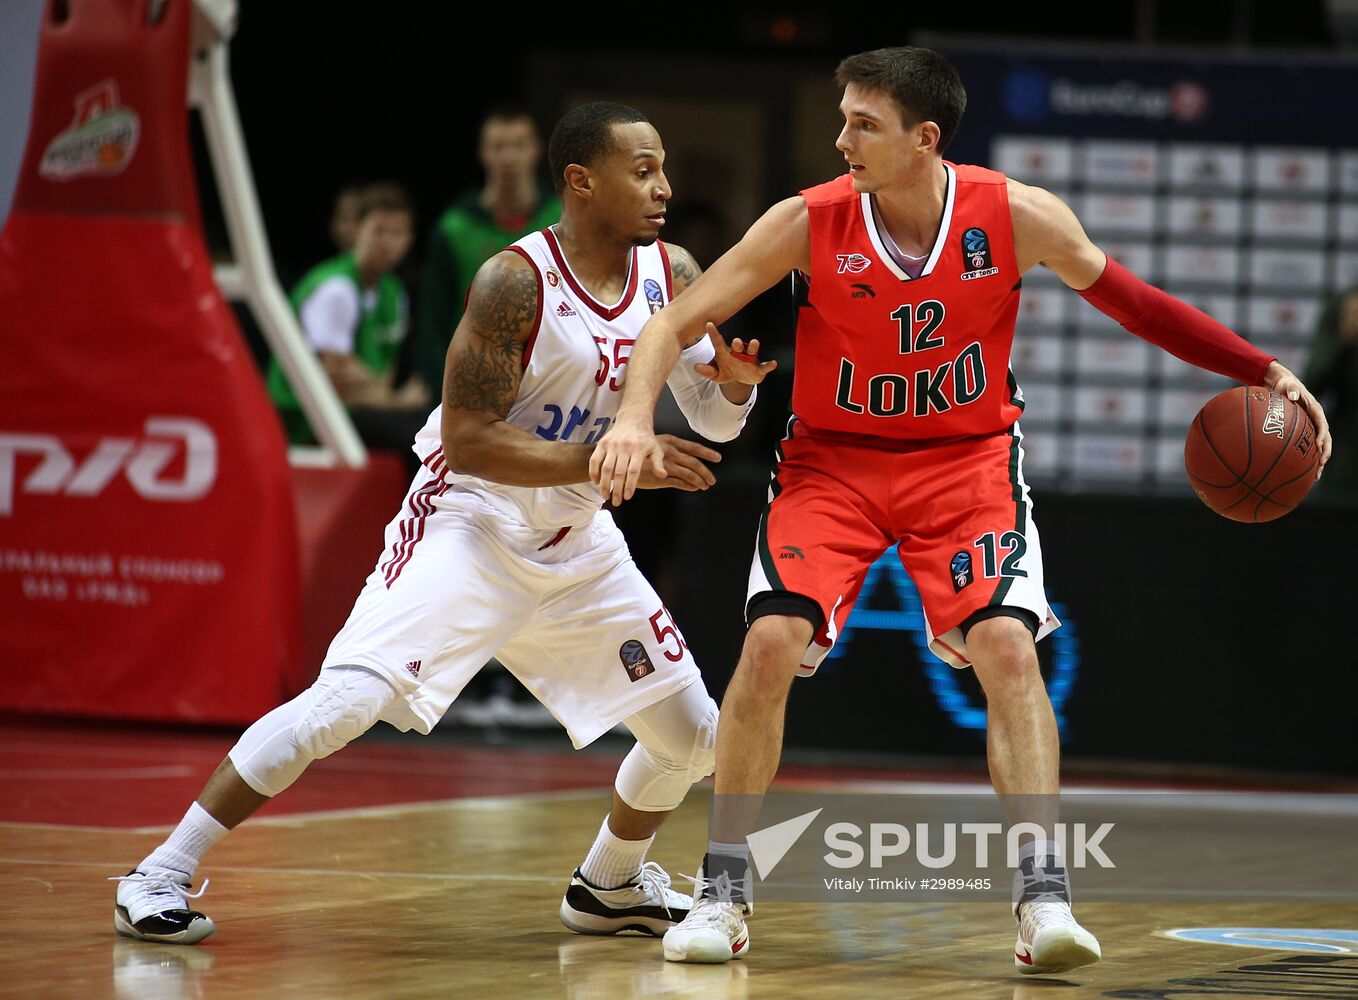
(929, 316)
(1015, 544)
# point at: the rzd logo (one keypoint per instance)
(142, 462)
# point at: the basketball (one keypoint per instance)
(1251, 454)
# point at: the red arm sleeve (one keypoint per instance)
(1176, 326)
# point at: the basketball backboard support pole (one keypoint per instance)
(250, 277)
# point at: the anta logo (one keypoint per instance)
(143, 462)
(862, 292)
(791, 552)
(565, 309)
(635, 660)
(976, 253)
(414, 667)
(1273, 418)
(853, 263)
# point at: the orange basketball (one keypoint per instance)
(1251, 454)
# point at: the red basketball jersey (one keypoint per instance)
(887, 355)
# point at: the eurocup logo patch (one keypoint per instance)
(635, 660)
(655, 298)
(976, 254)
(962, 571)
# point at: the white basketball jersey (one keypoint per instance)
(574, 364)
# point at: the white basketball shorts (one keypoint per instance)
(570, 615)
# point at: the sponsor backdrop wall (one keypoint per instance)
(1231, 183)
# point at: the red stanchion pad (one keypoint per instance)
(341, 514)
(149, 560)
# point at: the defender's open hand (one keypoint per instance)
(738, 363)
(684, 468)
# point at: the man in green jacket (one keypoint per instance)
(512, 204)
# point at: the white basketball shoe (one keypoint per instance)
(646, 904)
(153, 906)
(714, 930)
(1049, 940)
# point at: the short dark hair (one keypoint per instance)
(509, 113)
(584, 134)
(384, 196)
(922, 82)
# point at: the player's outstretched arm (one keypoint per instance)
(1046, 231)
(777, 243)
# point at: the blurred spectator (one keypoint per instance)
(344, 219)
(355, 314)
(1332, 375)
(482, 222)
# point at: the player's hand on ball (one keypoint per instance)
(618, 459)
(1282, 381)
(684, 466)
(738, 363)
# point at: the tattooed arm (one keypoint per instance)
(481, 381)
(684, 271)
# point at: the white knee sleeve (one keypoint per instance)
(340, 706)
(676, 746)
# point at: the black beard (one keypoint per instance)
(645, 241)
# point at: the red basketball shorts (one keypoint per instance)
(957, 512)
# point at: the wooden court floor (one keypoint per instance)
(458, 899)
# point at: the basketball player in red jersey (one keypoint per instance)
(905, 432)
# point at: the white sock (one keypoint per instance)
(196, 832)
(613, 862)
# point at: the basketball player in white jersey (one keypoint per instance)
(501, 548)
